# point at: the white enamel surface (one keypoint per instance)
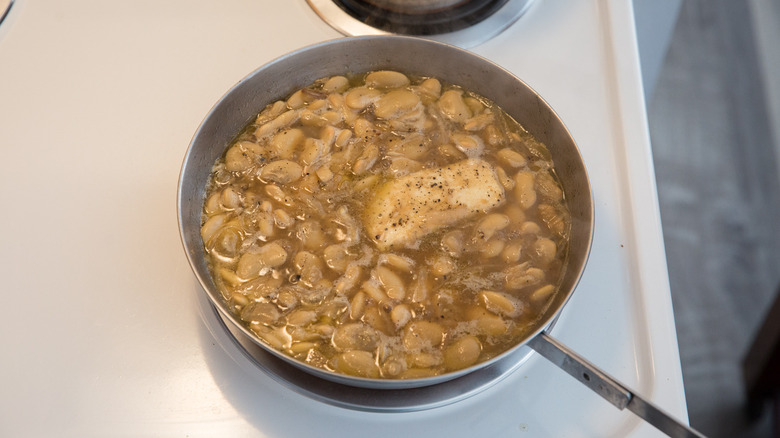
(100, 330)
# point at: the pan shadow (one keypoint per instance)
(274, 408)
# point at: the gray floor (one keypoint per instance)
(720, 203)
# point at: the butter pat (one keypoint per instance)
(403, 210)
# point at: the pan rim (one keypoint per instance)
(547, 318)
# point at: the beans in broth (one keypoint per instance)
(386, 226)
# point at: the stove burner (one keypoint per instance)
(463, 23)
(421, 17)
(254, 359)
(5, 9)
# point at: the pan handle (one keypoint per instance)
(607, 386)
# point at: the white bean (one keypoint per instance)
(324, 174)
(493, 136)
(349, 280)
(530, 227)
(357, 363)
(521, 276)
(237, 300)
(230, 199)
(474, 105)
(450, 151)
(318, 105)
(271, 112)
(335, 257)
(241, 156)
(343, 138)
(313, 150)
(414, 147)
(286, 299)
(492, 223)
(545, 250)
(333, 117)
(424, 359)
(442, 266)
(310, 118)
(278, 195)
(285, 143)
(357, 305)
(361, 97)
(227, 242)
(478, 123)
(374, 291)
(282, 121)
(311, 235)
(366, 160)
(431, 86)
(462, 353)
(263, 313)
(276, 338)
(232, 279)
(265, 224)
(542, 293)
(335, 84)
(487, 323)
(309, 184)
(453, 107)
(394, 366)
(302, 347)
(452, 242)
(328, 136)
(309, 266)
(512, 252)
(296, 100)
(420, 287)
(249, 266)
(282, 171)
(355, 336)
(401, 263)
(515, 213)
(499, 303)
(400, 166)
(386, 79)
(401, 315)
(365, 183)
(395, 103)
(394, 286)
(422, 334)
(211, 226)
(505, 180)
(492, 248)
(471, 145)
(271, 255)
(511, 157)
(301, 317)
(379, 319)
(525, 191)
(212, 204)
(282, 219)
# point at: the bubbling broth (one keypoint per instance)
(386, 226)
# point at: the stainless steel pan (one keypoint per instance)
(415, 56)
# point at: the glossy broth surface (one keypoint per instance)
(386, 226)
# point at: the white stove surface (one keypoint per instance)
(101, 331)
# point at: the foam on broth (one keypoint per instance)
(386, 226)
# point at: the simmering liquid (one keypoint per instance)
(386, 226)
